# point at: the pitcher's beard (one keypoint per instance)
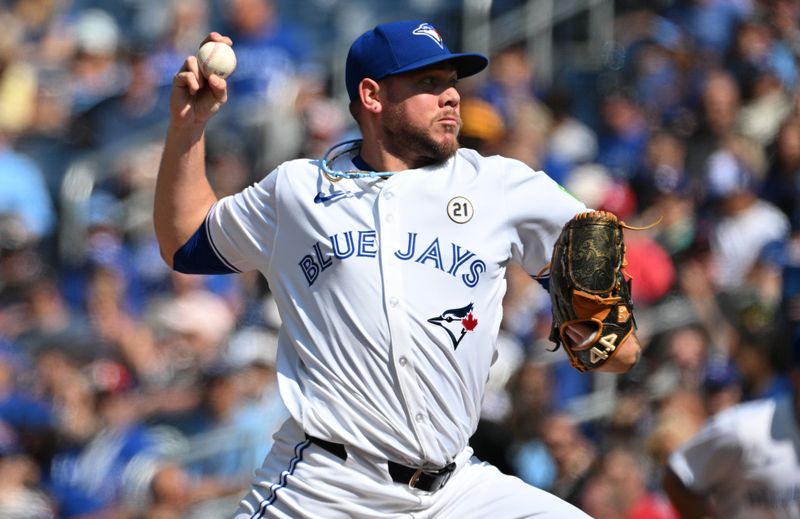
(415, 145)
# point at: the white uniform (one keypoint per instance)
(390, 295)
(746, 460)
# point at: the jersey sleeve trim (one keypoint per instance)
(275, 176)
(214, 247)
(199, 255)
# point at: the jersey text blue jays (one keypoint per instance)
(450, 258)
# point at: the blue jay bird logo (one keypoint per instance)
(427, 29)
(453, 319)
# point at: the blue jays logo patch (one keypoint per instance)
(427, 29)
(456, 322)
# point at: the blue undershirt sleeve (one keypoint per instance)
(198, 256)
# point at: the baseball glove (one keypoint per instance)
(589, 291)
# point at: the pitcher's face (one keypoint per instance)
(421, 116)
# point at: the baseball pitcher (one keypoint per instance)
(387, 260)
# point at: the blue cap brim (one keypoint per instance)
(466, 64)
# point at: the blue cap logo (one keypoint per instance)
(426, 29)
(393, 48)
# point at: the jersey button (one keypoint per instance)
(402, 361)
(420, 417)
(389, 218)
(394, 301)
(388, 195)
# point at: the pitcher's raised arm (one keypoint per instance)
(183, 195)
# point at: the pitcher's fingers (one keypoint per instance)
(219, 87)
(215, 36)
(192, 65)
(188, 80)
(189, 76)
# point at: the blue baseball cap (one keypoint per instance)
(392, 48)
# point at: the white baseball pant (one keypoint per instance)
(300, 479)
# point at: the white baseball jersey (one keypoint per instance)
(746, 459)
(390, 290)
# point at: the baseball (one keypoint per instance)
(216, 58)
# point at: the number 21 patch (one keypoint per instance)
(460, 210)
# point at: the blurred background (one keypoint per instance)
(129, 391)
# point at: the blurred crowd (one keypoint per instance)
(129, 391)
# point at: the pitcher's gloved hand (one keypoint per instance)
(590, 296)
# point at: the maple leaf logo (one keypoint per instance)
(469, 322)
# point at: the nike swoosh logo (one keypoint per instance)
(321, 198)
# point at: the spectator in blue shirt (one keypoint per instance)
(23, 191)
